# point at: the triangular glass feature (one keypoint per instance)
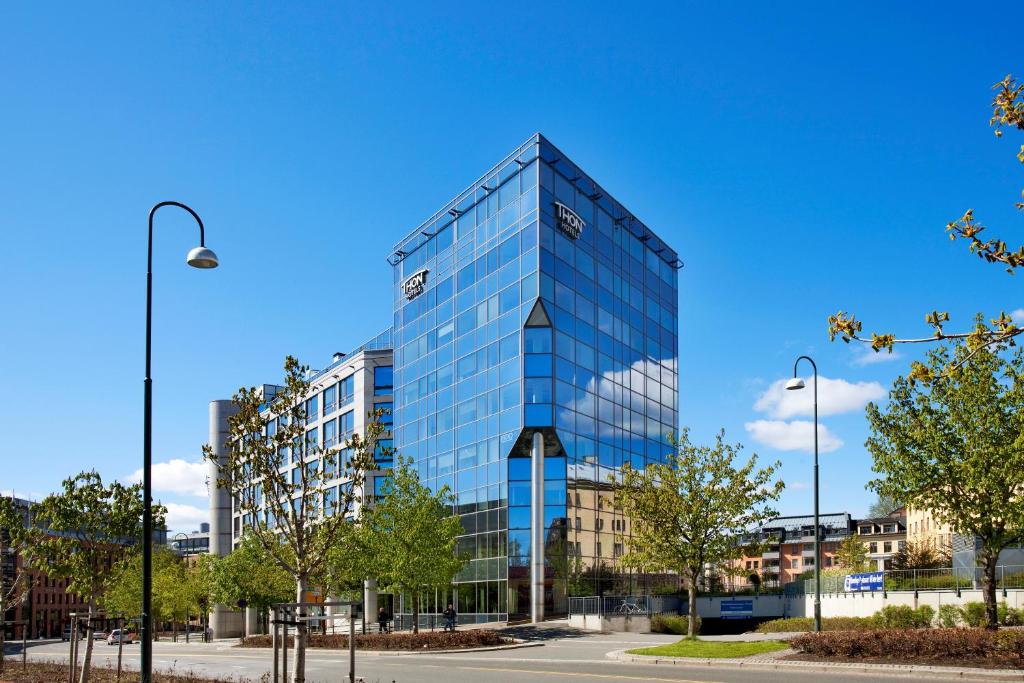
(538, 316)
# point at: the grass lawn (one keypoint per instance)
(711, 649)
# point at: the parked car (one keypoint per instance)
(115, 635)
(99, 634)
(66, 634)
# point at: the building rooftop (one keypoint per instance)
(506, 168)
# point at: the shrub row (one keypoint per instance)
(890, 616)
(973, 614)
(48, 672)
(667, 623)
(793, 624)
(431, 640)
(1002, 648)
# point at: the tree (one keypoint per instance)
(954, 444)
(920, 555)
(123, 595)
(883, 506)
(1008, 112)
(250, 574)
(687, 512)
(410, 532)
(14, 588)
(83, 532)
(851, 554)
(279, 479)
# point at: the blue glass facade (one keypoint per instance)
(534, 302)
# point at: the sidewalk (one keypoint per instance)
(773, 661)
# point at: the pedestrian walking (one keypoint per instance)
(449, 618)
(382, 620)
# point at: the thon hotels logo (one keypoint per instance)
(414, 284)
(568, 221)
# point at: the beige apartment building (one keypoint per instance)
(883, 537)
(922, 527)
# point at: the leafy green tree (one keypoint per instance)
(883, 506)
(287, 504)
(248, 573)
(349, 563)
(920, 555)
(1007, 112)
(14, 588)
(82, 533)
(410, 532)
(124, 590)
(851, 554)
(687, 512)
(954, 444)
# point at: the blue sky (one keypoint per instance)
(800, 158)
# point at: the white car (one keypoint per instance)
(115, 635)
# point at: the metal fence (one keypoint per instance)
(627, 605)
(947, 578)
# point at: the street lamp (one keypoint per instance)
(796, 384)
(198, 257)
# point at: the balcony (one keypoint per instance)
(770, 569)
(770, 555)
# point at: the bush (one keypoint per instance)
(1002, 648)
(904, 616)
(1010, 616)
(430, 640)
(973, 614)
(807, 624)
(668, 623)
(949, 616)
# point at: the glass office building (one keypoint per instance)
(535, 352)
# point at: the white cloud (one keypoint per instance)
(1018, 316)
(865, 355)
(184, 517)
(835, 396)
(798, 485)
(179, 477)
(796, 435)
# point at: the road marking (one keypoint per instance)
(580, 673)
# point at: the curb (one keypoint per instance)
(403, 653)
(406, 653)
(907, 670)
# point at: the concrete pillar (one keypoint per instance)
(370, 603)
(537, 530)
(221, 619)
(251, 622)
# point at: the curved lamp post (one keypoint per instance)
(795, 384)
(198, 257)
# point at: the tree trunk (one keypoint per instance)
(691, 626)
(120, 649)
(87, 662)
(299, 661)
(415, 613)
(988, 586)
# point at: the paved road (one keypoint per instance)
(562, 658)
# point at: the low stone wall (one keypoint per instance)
(867, 603)
(621, 623)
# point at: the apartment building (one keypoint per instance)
(883, 537)
(788, 553)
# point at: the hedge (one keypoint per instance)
(430, 640)
(975, 646)
(665, 623)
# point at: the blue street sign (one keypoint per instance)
(737, 609)
(870, 581)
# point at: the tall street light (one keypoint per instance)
(199, 257)
(795, 384)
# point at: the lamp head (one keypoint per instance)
(202, 257)
(795, 383)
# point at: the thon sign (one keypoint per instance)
(736, 609)
(414, 284)
(568, 221)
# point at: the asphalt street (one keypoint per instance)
(562, 657)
